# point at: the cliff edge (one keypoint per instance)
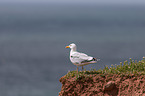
(127, 79)
(108, 85)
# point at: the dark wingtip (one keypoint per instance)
(96, 59)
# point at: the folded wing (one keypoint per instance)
(81, 58)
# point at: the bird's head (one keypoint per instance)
(72, 46)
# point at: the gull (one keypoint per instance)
(80, 59)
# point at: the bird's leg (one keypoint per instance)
(82, 68)
(77, 69)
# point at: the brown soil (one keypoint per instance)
(103, 85)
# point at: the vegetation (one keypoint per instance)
(126, 68)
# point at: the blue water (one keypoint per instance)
(33, 37)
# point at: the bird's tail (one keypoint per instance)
(96, 59)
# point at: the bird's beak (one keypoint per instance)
(67, 47)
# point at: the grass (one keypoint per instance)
(125, 68)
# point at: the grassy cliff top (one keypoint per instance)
(126, 68)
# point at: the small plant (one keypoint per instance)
(127, 68)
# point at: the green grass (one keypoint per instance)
(125, 68)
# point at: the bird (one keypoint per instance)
(80, 59)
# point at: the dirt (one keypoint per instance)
(103, 85)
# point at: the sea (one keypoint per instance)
(33, 37)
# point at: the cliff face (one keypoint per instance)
(103, 85)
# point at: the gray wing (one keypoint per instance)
(79, 58)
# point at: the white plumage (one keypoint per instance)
(80, 59)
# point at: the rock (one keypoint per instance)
(109, 86)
